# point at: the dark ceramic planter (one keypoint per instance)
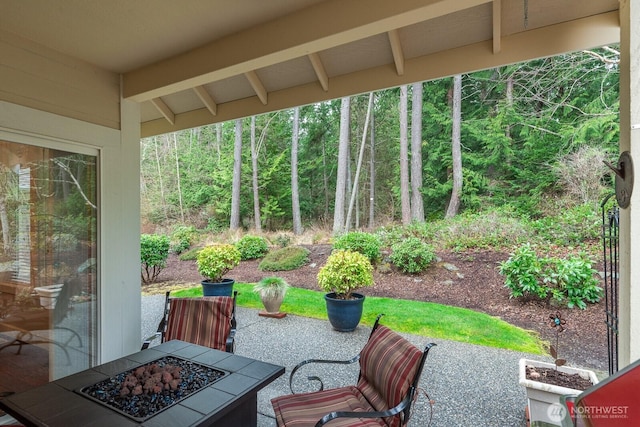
(221, 289)
(344, 314)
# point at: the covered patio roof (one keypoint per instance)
(199, 62)
(97, 75)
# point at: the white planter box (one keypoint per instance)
(543, 399)
(48, 295)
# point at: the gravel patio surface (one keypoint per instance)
(470, 385)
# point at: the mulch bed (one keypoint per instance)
(468, 279)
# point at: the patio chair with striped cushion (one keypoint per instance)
(206, 321)
(390, 369)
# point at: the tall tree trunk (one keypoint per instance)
(372, 174)
(237, 169)
(404, 159)
(454, 203)
(163, 199)
(325, 180)
(417, 205)
(175, 146)
(254, 172)
(218, 140)
(295, 194)
(509, 96)
(343, 163)
(354, 191)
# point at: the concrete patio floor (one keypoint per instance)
(470, 385)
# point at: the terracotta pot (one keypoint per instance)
(272, 305)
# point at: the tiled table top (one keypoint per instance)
(58, 403)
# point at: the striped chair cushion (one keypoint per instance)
(305, 409)
(204, 321)
(388, 365)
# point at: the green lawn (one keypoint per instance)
(414, 317)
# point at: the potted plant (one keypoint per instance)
(272, 291)
(344, 272)
(546, 382)
(213, 263)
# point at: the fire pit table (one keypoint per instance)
(173, 384)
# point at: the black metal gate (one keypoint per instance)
(611, 247)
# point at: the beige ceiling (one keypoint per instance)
(194, 62)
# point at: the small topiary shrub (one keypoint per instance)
(365, 243)
(412, 255)
(216, 260)
(154, 251)
(571, 281)
(285, 259)
(252, 247)
(344, 272)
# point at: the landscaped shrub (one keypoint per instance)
(344, 272)
(365, 243)
(571, 281)
(215, 261)
(285, 259)
(523, 272)
(412, 255)
(182, 238)
(154, 251)
(252, 247)
(575, 281)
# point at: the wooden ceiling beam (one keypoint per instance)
(497, 26)
(206, 99)
(321, 73)
(164, 109)
(257, 86)
(326, 24)
(557, 39)
(396, 49)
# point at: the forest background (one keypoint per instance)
(525, 141)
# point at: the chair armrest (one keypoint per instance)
(404, 405)
(230, 345)
(313, 377)
(147, 342)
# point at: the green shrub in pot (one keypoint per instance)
(344, 272)
(215, 261)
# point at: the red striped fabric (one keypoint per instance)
(388, 364)
(204, 321)
(305, 409)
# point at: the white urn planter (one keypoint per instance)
(48, 295)
(543, 400)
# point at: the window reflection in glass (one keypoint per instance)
(48, 280)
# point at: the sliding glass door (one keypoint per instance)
(48, 263)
